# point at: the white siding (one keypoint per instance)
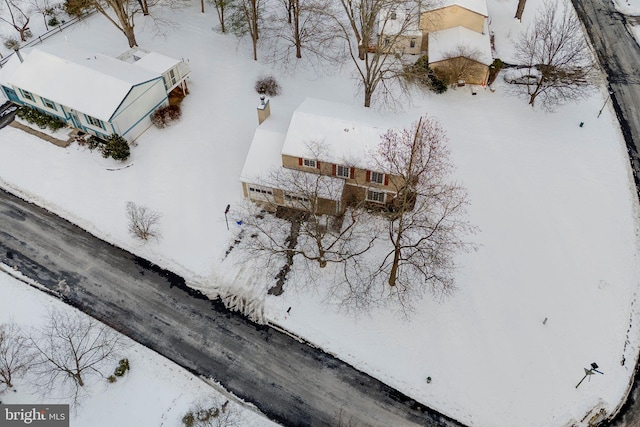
(131, 118)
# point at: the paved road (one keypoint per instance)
(619, 55)
(294, 384)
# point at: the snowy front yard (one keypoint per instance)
(550, 290)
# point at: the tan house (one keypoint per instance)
(454, 36)
(319, 161)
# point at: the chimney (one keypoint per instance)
(19, 54)
(264, 110)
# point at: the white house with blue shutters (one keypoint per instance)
(95, 93)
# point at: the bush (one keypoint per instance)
(143, 222)
(39, 118)
(94, 142)
(53, 21)
(267, 85)
(122, 368)
(422, 74)
(162, 117)
(115, 147)
(111, 379)
(76, 7)
(11, 43)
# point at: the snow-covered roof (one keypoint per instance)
(445, 42)
(478, 6)
(156, 62)
(346, 133)
(91, 83)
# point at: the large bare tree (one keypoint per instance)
(320, 237)
(427, 223)
(556, 55)
(72, 347)
(301, 27)
(378, 62)
(246, 18)
(16, 356)
(222, 7)
(18, 16)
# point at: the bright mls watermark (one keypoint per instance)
(34, 415)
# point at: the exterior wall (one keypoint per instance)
(270, 203)
(401, 44)
(450, 17)
(475, 74)
(132, 116)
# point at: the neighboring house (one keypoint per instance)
(92, 92)
(454, 35)
(326, 143)
(399, 31)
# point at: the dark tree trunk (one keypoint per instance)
(520, 10)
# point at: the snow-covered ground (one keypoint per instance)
(154, 392)
(628, 7)
(554, 202)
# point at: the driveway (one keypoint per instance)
(292, 383)
(7, 113)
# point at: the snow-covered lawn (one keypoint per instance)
(628, 7)
(155, 391)
(554, 202)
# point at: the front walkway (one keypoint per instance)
(41, 135)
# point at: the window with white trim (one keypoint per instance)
(95, 122)
(377, 177)
(28, 95)
(48, 104)
(343, 171)
(309, 163)
(172, 77)
(375, 196)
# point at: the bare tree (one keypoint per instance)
(301, 27)
(222, 7)
(143, 222)
(44, 8)
(461, 63)
(556, 54)
(427, 220)
(520, 10)
(18, 17)
(72, 347)
(212, 413)
(320, 237)
(16, 356)
(246, 17)
(378, 65)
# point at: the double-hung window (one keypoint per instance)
(377, 177)
(28, 95)
(309, 163)
(343, 171)
(375, 196)
(95, 122)
(48, 104)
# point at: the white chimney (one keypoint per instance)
(264, 111)
(19, 54)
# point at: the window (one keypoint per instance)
(257, 192)
(343, 171)
(48, 104)
(293, 198)
(412, 43)
(387, 41)
(28, 95)
(172, 76)
(260, 190)
(393, 15)
(95, 122)
(309, 163)
(377, 177)
(375, 196)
